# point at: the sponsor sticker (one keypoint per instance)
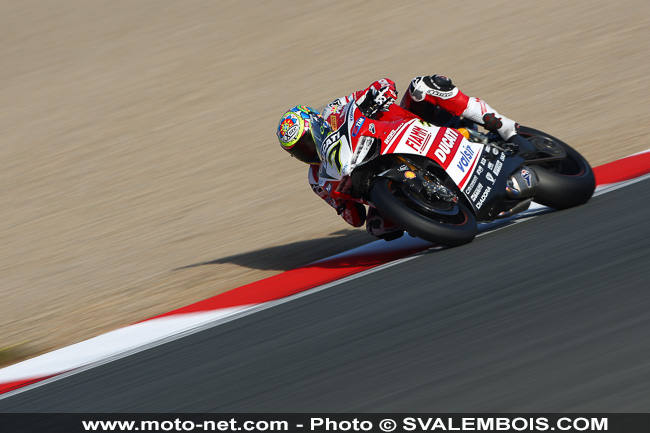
(497, 167)
(471, 184)
(483, 197)
(409, 174)
(446, 144)
(527, 177)
(418, 139)
(443, 95)
(476, 192)
(357, 126)
(467, 155)
(390, 136)
(334, 122)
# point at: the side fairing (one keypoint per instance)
(446, 146)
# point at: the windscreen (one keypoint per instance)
(320, 129)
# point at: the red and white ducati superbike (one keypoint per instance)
(437, 182)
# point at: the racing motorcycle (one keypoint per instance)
(435, 182)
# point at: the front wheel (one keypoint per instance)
(565, 177)
(442, 222)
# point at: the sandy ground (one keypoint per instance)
(140, 171)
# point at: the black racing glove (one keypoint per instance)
(492, 122)
(366, 102)
(374, 100)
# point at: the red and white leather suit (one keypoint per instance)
(425, 95)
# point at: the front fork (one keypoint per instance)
(407, 173)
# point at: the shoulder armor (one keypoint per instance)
(440, 86)
(439, 82)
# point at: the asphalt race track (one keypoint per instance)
(549, 315)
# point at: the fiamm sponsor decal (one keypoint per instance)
(418, 139)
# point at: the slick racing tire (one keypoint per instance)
(565, 183)
(442, 223)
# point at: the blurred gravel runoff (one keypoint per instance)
(140, 169)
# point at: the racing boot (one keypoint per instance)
(525, 148)
(380, 227)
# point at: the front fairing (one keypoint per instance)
(341, 150)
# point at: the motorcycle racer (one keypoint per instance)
(433, 98)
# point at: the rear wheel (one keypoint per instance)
(565, 177)
(441, 221)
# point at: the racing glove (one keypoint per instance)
(505, 127)
(379, 96)
(352, 212)
(492, 122)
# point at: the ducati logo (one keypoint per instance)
(446, 144)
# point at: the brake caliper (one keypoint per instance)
(436, 191)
